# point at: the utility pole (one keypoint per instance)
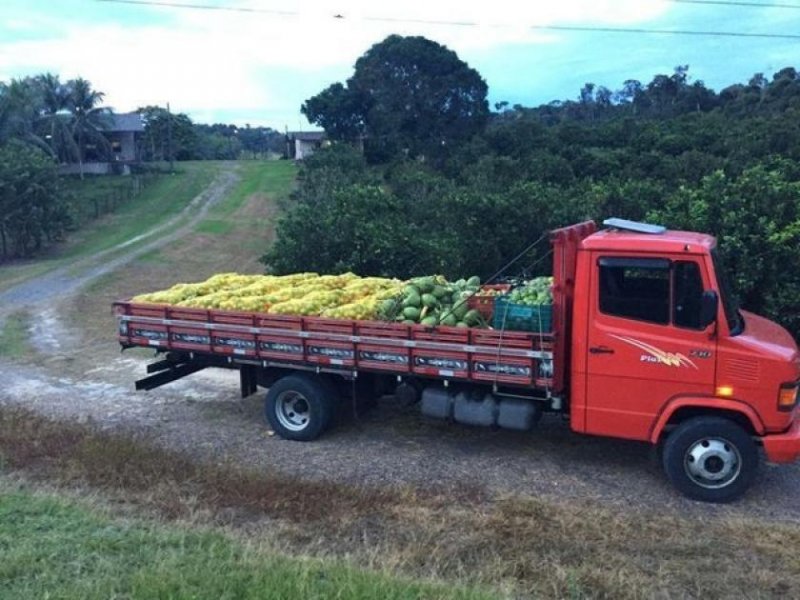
(169, 140)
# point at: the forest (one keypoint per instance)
(446, 185)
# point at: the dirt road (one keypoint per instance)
(204, 415)
(67, 280)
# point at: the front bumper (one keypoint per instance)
(783, 447)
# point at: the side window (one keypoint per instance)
(635, 288)
(688, 295)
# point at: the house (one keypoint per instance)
(124, 132)
(302, 144)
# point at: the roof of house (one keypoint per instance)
(125, 122)
(307, 136)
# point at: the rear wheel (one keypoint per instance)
(710, 459)
(300, 407)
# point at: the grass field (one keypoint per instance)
(273, 180)
(514, 546)
(236, 233)
(276, 180)
(162, 197)
(51, 548)
(14, 335)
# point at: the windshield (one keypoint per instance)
(730, 304)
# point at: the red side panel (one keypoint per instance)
(566, 242)
(148, 334)
(235, 343)
(277, 347)
(323, 352)
(384, 358)
(394, 355)
(156, 311)
(193, 339)
(232, 318)
(435, 363)
(188, 314)
(503, 369)
(449, 358)
(279, 322)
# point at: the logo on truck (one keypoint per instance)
(657, 355)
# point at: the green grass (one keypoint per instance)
(96, 195)
(151, 256)
(214, 226)
(274, 179)
(50, 548)
(526, 546)
(14, 336)
(165, 196)
(256, 176)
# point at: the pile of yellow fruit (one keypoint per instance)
(345, 296)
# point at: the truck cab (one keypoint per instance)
(660, 352)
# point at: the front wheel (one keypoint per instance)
(710, 459)
(300, 407)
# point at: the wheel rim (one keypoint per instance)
(713, 462)
(292, 410)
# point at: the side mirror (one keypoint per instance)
(709, 303)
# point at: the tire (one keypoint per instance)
(300, 407)
(710, 459)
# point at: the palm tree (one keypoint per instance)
(20, 106)
(54, 119)
(88, 119)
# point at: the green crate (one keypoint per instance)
(521, 317)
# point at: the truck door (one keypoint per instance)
(644, 341)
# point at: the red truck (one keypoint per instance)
(646, 343)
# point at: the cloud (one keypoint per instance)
(202, 61)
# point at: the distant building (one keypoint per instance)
(302, 144)
(124, 133)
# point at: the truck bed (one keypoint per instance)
(507, 358)
(482, 355)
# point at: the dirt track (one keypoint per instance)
(203, 415)
(64, 281)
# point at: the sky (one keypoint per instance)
(259, 63)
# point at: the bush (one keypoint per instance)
(33, 211)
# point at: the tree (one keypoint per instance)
(59, 118)
(158, 122)
(20, 107)
(32, 207)
(53, 122)
(633, 93)
(88, 118)
(409, 95)
(586, 102)
(603, 97)
(339, 111)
